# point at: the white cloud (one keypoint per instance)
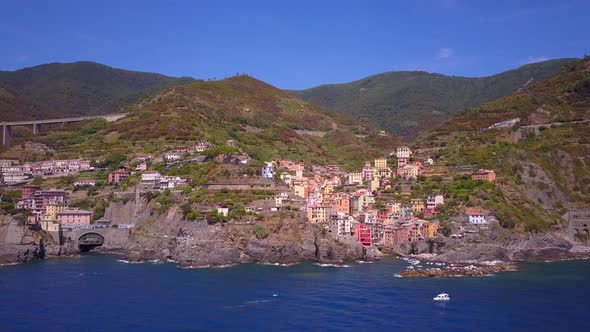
(444, 53)
(533, 59)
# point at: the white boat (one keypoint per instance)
(442, 297)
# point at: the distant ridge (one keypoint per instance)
(408, 102)
(74, 89)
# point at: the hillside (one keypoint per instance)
(406, 103)
(543, 161)
(74, 89)
(263, 120)
(16, 107)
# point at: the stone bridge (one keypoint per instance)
(36, 124)
(89, 238)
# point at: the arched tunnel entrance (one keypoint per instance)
(90, 241)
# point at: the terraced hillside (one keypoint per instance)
(543, 161)
(263, 120)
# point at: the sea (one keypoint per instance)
(103, 293)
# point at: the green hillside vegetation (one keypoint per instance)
(75, 89)
(406, 103)
(541, 174)
(261, 119)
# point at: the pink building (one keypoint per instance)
(115, 177)
(362, 233)
(367, 172)
(29, 190)
(484, 175)
(74, 217)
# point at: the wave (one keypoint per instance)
(397, 275)
(365, 262)
(129, 262)
(9, 264)
(279, 264)
(331, 265)
(248, 303)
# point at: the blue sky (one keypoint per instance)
(294, 44)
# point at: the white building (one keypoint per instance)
(85, 183)
(477, 217)
(172, 156)
(222, 210)
(341, 224)
(433, 201)
(403, 152)
(151, 178)
(170, 182)
(268, 171)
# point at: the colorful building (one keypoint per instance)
(116, 177)
(74, 217)
(484, 175)
(362, 233)
(381, 162)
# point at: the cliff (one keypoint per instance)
(496, 244)
(281, 240)
(19, 244)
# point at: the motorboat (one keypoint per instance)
(442, 297)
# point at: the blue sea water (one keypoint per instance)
(99, 293)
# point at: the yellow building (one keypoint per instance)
(50, 226)
(318, 214)
(381, 162)
(300, 188)
(418, 205)
(431, 230)
(395, 208)
(328, 189)
(52, 210)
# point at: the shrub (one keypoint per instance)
(261, 232)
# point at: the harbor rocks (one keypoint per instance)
(19, 244)
(464, 270)
(18, 253)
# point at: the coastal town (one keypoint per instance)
(376, 206)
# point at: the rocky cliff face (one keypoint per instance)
(281, 241)
(19, 244)
(497, 244)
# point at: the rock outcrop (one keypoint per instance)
(496, 244)
(170, 238)
(19, 244)
(468, 270)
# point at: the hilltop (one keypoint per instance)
(73, 89)
(406, 103)
(263, 120)
(542, 157)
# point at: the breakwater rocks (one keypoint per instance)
(459, 270)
